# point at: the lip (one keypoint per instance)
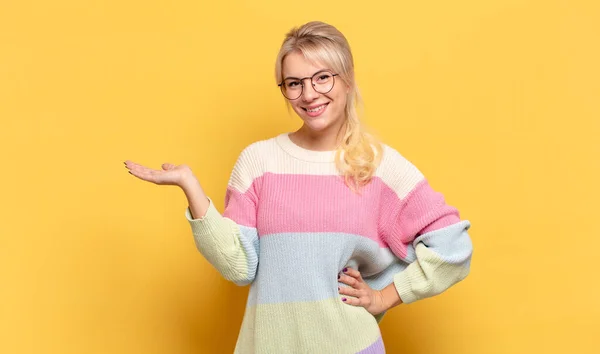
(318, 113)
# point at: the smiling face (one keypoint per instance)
(322, 113)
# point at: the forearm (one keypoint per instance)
(390, 297)
(443, 259)
(196, 198)
(226, 245)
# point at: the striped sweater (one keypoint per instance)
(290, 225)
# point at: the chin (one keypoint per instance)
(317, 125)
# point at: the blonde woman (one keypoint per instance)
(329, 227)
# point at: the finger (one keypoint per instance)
(143, 175)
(167, 166)
(345, 290)
(353, 273)
(351, 300)
(348, 280)
(134, 166)
(146, 174)
(140, 169)
(129, 163)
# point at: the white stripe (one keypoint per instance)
(267, 156)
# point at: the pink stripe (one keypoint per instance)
(423, 210)
(315, 203)
(241, 208)
(309, 203)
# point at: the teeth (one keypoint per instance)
(316, 109)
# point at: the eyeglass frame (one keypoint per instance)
(311, 82)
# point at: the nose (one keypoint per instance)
(309, 93)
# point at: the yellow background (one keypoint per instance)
(497, 102)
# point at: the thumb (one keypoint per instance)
(167, 166)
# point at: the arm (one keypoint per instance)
(429, 234)
(229, 241)
(390, 297)
(421, 230)
(198, 201)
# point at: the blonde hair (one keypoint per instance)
(359, 153)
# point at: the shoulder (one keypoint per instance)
(253, 159)
(259, 148)
(394, 161)
(398, 172)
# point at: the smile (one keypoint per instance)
(316, 111)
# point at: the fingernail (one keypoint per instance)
(343, 299)
(345, 270)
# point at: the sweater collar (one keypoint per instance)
(301, 153)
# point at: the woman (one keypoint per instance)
(329, 226)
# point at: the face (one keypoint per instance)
(321, 112)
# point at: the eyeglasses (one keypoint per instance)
(322, 82)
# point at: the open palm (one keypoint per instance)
(169, 175)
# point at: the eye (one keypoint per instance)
(323, 77)
(292, 84)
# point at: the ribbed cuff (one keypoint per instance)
(207, 224)
(404, 287)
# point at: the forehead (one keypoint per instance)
(296, 65)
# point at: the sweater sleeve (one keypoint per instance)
(230, 241)
(424, 231)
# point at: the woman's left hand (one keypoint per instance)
(359, 293)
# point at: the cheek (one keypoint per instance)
(297, 109)
(340, 103)
(340, 96)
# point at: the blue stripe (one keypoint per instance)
(451, 243)
(249, 241)
(304, 266)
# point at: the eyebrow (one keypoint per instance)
(297, 78)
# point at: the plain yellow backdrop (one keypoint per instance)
(497, 102)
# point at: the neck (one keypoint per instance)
(327, 140)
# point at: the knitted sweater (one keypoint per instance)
(289, 227)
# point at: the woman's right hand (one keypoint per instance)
(181, 176)
(169, 175)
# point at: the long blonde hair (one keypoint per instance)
(359, 153)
